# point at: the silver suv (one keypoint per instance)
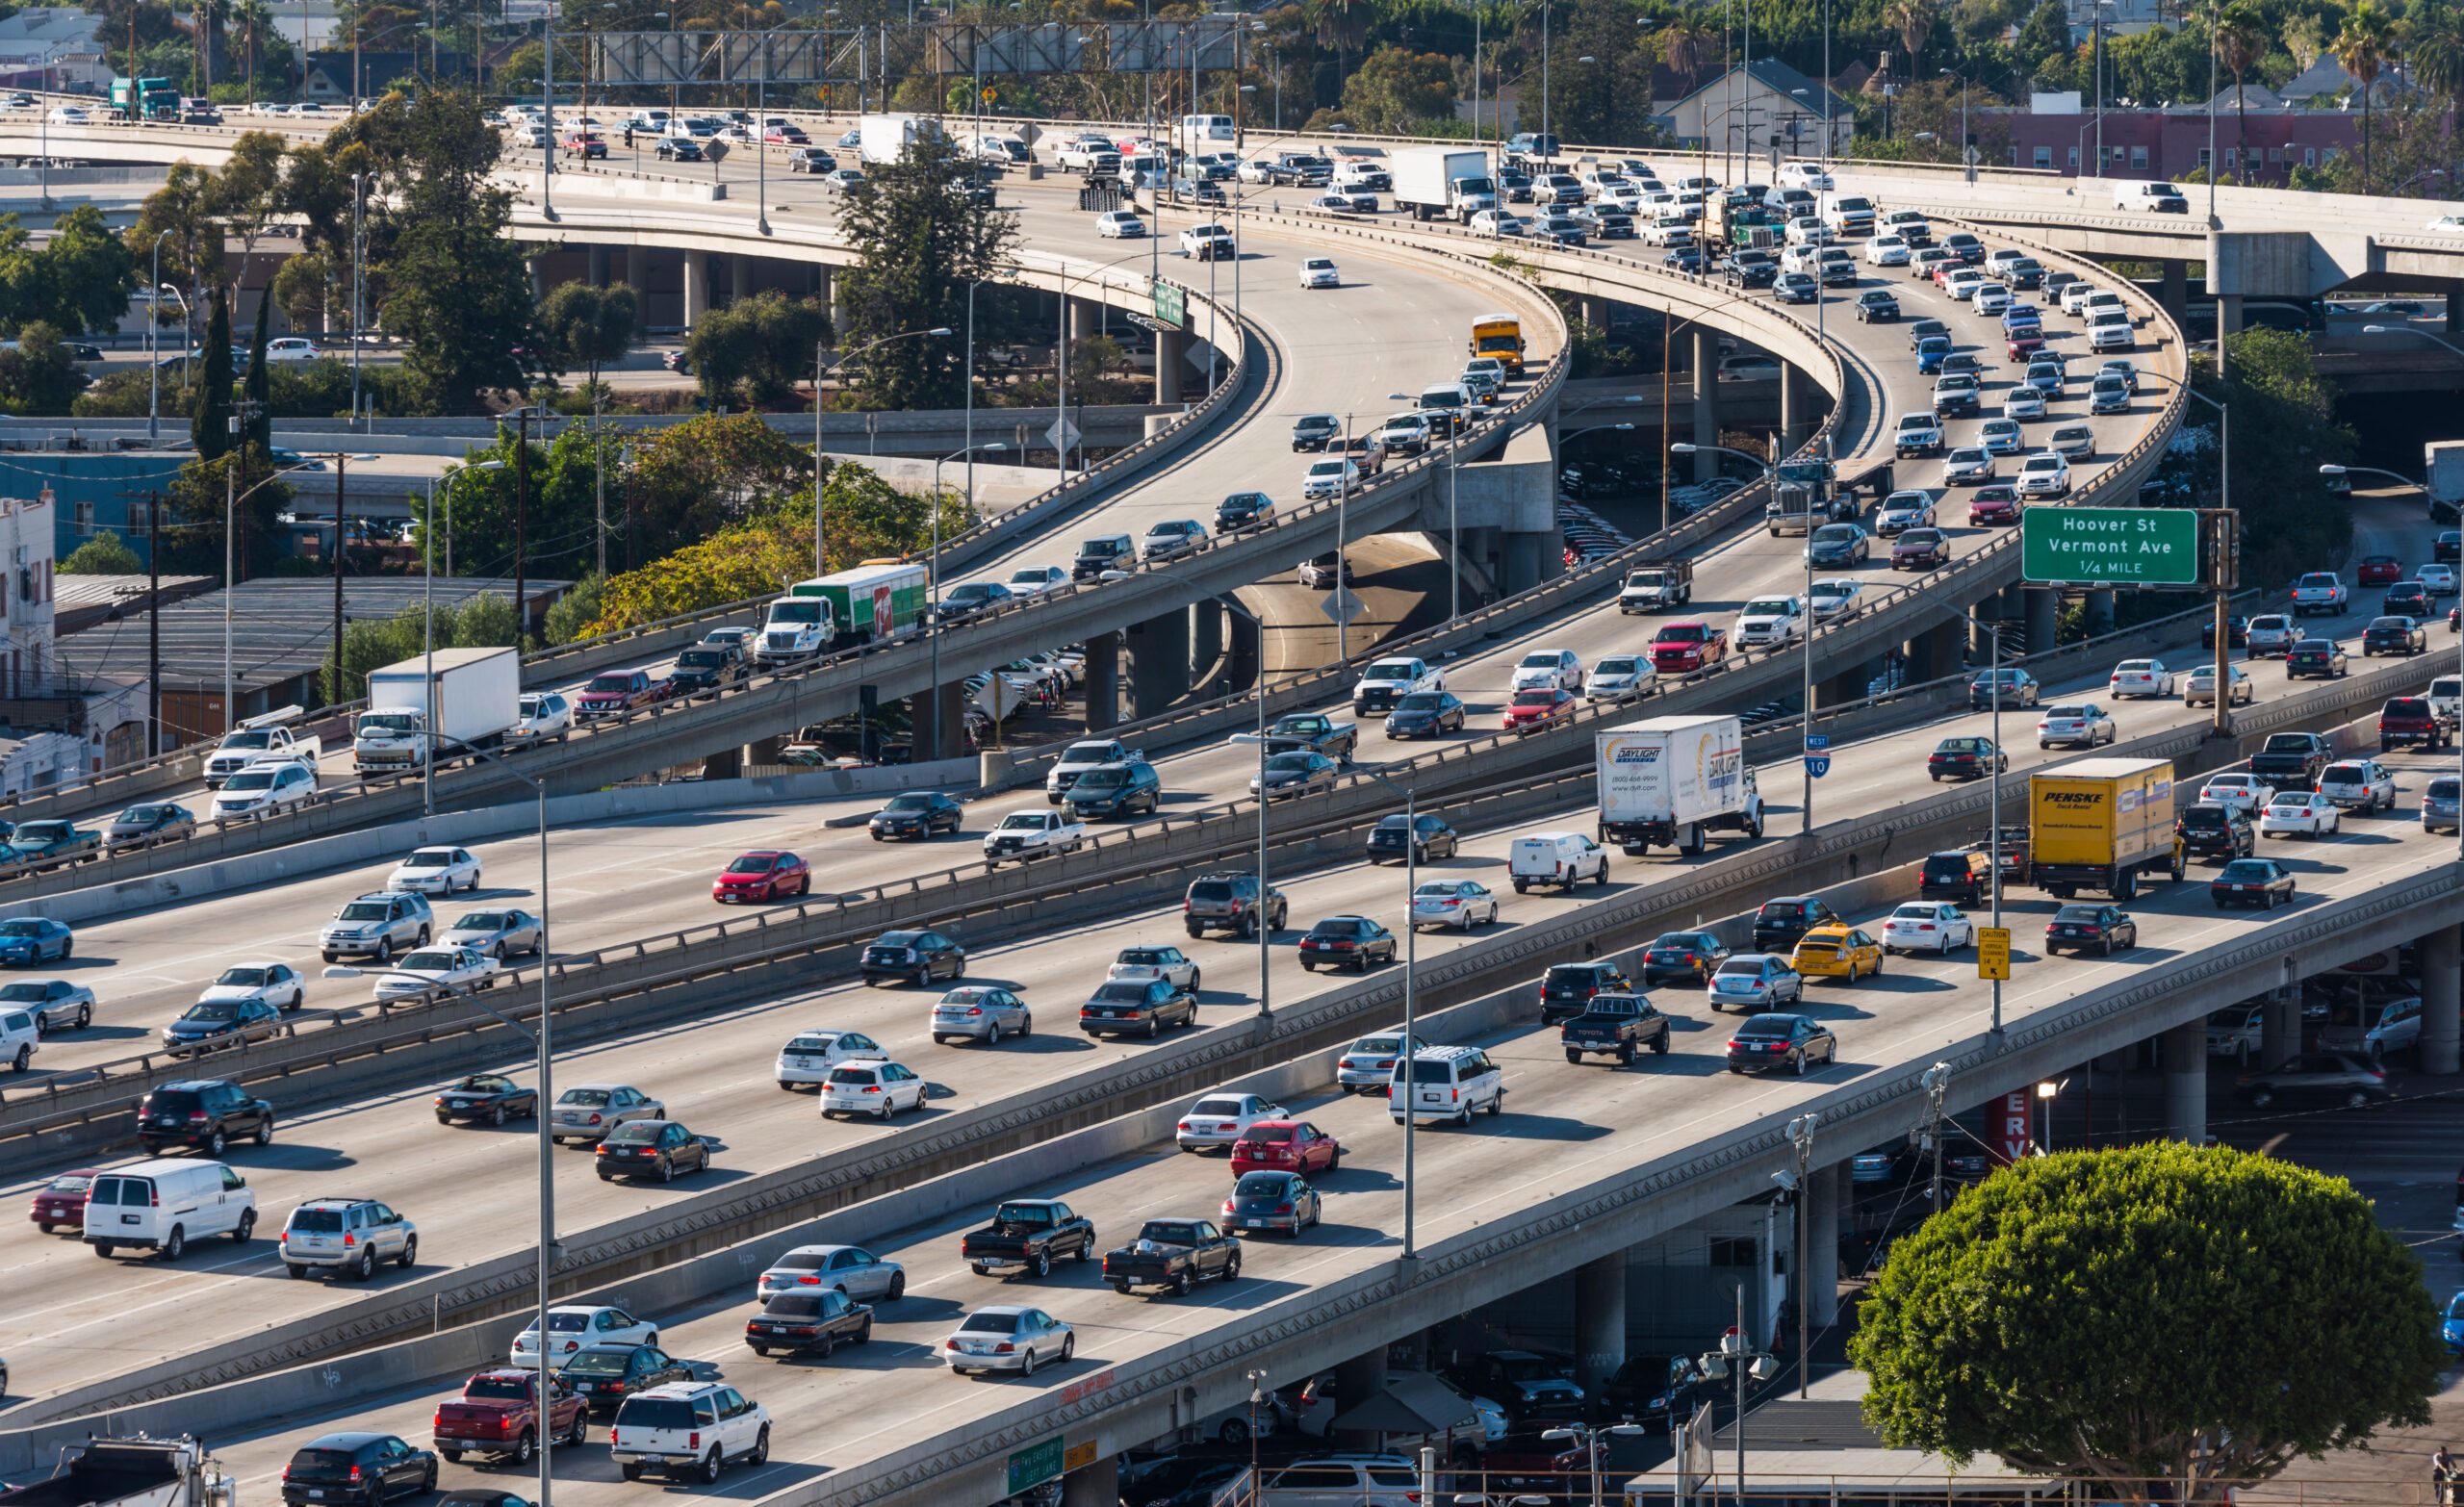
(1229, 901)
(377, 926)
(348, 1237)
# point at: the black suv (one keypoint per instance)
(1229, 901)
(1121, 790)
(2213, 829)
(1778, 924)
(1964, 875)
(1566, 989)
(1315, 431)
(205, 1112)
(913, 955)
(1752, 269)
(707, 667)
(361, 1468)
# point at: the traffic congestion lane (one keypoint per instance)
(1565, 1127)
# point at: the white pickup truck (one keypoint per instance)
(245, 745)
(2319, 590)
(1389, 681)
(1026, 836)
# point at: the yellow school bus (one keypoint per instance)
(1499, 335)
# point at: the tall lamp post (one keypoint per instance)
(1266, 909)
(543, 1120)
(1994, 793)
(1736, 1351)
(1061, 356)
(427, 618)
(1411, 975)
(1454, 526)
(820, 372)
(1805, 638)
(154, 348)
(934, 575)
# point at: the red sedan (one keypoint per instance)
(1997, 504)
(765, 875)
(1285, 1146)
(2381, 570)
(1531, 710)
(63, 1200)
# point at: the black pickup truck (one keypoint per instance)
(1618, 1024)
(1173, 1253)
(1029, 1232)
(2291, 759)
(1313, 732)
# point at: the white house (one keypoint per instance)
(1760, 107)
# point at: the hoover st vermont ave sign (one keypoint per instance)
(2101, 547)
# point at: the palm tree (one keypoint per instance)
(1914, 20)
(1342, 25)
(1685, 40)
(2365, 46)
(2240, 38)
(2435, 42)
(252, 17)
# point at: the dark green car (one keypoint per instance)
(1121, 790)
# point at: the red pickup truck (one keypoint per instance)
(498, 1414)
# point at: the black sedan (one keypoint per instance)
(2263, 883)
(2316, 1077)
(1965, 759)
(652, 1148)
(1120, 1006)
(974, 598)
(1685, 259)
(2323, 657)
(916, 814)
(1347, 942)
(1430, 836)
(607, 1374)
(2393, 635)
(2079, 927)
(2409, 598)
(1271, 1203)
(1876, 306)
(799, 1322)
(485, 1096)
(152, 822)
(1426, 714)
(2237, 632)
(1682, 957)
(1794, 1043)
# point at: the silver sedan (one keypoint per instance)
(860, 1274)
(984, 1012)
(498, 933)
(58, 1004)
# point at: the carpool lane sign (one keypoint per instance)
(2110, 545)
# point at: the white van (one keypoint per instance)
(164, 1203)
(2161, 197)
(1450, 398)
(1562, 859)
(21, 1036)
(1447, 1083)
(1203, 133)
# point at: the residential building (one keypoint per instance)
(2058, 135)
(68, 37)
(1758, 109)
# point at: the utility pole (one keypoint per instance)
(1937, 1083)
(342, 465)
(154, 625)
(521, 523)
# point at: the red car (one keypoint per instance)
(1681, 647)
(616, 693)
(785, 135)
(588, 147)
(63, 1200)
(1285, 1146)
(765, 874)
(2381, 570)
(2024, 341)
(1996, 504)
(1531, 710)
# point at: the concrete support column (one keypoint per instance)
(637, 276)
(2042, 606)
(2185, 1056)
(1103, 681)
(1935, 653)
(1525, 551)
(1707, 404)
(1248, 663)
(1097, 1485)
(2100, 612)
(2440, 1000)
(2175, 295)
(1600, 1320)
(1848, 685)
(2280, 1028)
(1595, 312)
(1172, 347)
(1159, 662)
(1356, 1381)
(1085, 320)
(1826, 1196)
(739, 278)
(2455, 306)
(1792, 408)
(697, 286)
(2228, 314)
(952, 742)
(599, 260)
(725, 764)
(766, 750)
(1206, 637)
(538, 280)
(833, 293)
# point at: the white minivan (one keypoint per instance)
(1562, 859)
(163, 1203)
(1446, 1082)
(20, 1037)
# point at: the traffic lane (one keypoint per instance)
(1565, 1127)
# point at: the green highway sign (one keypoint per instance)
(1033, 1466)
(2110, 545)
(1171, 305)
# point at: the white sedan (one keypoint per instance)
(571, 1326)
(1927, 926)
(807, 1057)
(2245, 793)
(1967, 468)
(1119, 225)
(273, 983)
(1008, 1339)
(1499, 224)
(2141, 678)
(1886, 251)
(2023, 402)
(1905, 510)
(1461, 904)
(1218, 1119)
(453, 969)
(2303, 812)
(436, 871)
(1321, 271)
(1833, 596)
(291, 347)
(2200, 690)
(880, 1089)
(2439, 578)
(71, 114)
(1034, 581)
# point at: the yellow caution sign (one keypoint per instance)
(1994, 952)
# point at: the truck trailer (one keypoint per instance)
(472, 702)
(1669, 781)
(1443, 183)
(2099, 824)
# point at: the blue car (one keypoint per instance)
(26, 940)
(2450, 1325)
(1930, 353)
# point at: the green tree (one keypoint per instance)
(2239, 35)
(588, 326)
(304, 286)
(247, 193)
(1394, 91)
(193, 543)
(2434, 44)
(751, 353)
(922, 245)
(38, 376)
(559, 519)
(2156, 1316)
(2365, 46)
(485, 622)
(193, 256)
(2284, 429)
(102, 555)
(257, 388)
(2043, 45)
(210, 426)
(692, 479)
(85, 274)
(571, 615)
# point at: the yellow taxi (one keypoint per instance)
(1838, 952)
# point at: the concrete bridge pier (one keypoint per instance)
(1097, 1485)
(1103, 681)
(2176, 291)
(1936, 652)
(1159, 662)
(1828, 1192)
(2455, 306)
(637, 276)
(1172, 359)
(599, 270)
(1795, 410)
(1600, 1320)
(697, 286)
(739, 278)
(1356, 1381)
(1206, 637)
(2100, 612)
(1531, 558)
(2042, 607)
(1848, 685)
(2441, 1022)
(950, 740)
(1706, 404)
(2280, 1027)
(2185, 1058)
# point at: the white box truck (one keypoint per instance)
(1668, 781)
(130, 1473)
(1434, 182)
(2442, 468)
(884, 138)
(474, 699)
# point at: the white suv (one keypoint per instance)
(1770, 619)
(692, 1428)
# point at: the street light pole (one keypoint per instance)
(154, 346)
(1801, 1140)
(1411, 976)
(932, 580)
(821, 371)
(428, 628)
(1265, 916)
